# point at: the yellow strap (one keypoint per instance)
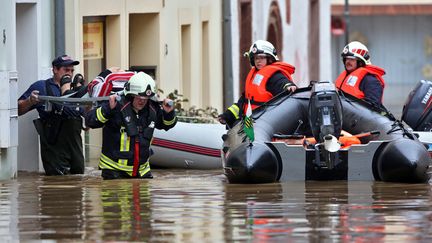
(124, 144)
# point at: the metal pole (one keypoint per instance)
(347, 22)
(227, 55)
(59, 27)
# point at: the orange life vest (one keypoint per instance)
(255, 88)
(350, 83)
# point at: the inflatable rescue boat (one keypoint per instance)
(188, 146)
(388, 150)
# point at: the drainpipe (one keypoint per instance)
(347, 22)
(59, 27)
(227, 55)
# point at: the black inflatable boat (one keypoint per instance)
(389, 151)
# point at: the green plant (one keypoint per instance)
(192, 114)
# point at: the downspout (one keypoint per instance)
(227, 55)
(347, 21)
(59, 27)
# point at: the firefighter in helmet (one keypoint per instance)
(360, 79)
(128, 123)
(267, 78)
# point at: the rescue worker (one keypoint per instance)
(360, 79)
(128, 123)
(59, 129)
(267, 78)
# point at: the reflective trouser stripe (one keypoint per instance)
(144, 168)
(107, 163)
(100, 116)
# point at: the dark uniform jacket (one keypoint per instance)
(127, 135)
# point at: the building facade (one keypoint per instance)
(8, 83)
(193, 46)
(26, 51)
(300, 31)
(177, 42)
(399, 38)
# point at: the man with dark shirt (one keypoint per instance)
(60, 128)
(267, 78)
(360, 79)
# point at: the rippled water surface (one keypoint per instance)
(200, 206)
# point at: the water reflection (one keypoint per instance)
(187, 206)
(49, 208)
(126, 210)
(331, 211)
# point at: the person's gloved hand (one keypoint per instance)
(65, 79)
(65, 84)
(227, 118)
(78, 81)
(221, 119)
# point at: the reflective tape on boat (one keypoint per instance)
(185, 147)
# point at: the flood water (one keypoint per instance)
(200, 206)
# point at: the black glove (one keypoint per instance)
(65, 79)
(227, 118)
(78, 79)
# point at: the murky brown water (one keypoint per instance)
(200, 206)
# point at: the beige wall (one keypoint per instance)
(168, 17)
(149, 33)
(144, 42)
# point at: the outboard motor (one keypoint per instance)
(416, 111)
(325, 118)
(325, 111)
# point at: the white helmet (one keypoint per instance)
(262, 47)
(140, 84)
(358, 50)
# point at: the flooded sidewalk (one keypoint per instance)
(188, 206)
